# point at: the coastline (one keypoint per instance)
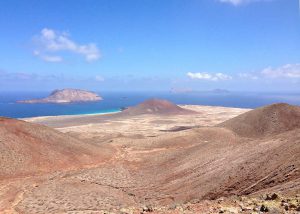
(65, 116)
(74, 120)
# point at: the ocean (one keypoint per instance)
(114, 101)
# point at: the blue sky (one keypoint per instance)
(242, 45)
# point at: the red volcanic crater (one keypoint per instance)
(157, 106)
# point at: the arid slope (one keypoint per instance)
(265, 121)
(27, 149)
(261, 155)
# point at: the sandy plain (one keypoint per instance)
(145, 125)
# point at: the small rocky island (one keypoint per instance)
(67, 96)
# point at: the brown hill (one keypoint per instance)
(179, 167)
(183, 166)
(264, 121)
(156, 106)
(208, 163)
(27, 148)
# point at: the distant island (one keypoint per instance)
(191, 91)
(67, 96)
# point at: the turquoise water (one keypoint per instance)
(114, 101)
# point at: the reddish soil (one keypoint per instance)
(156, 106)
(29, 149)
(265, 121)
(183, 171)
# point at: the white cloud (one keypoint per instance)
(31, 77)
(52, 58)
(17, 76)
(251, 76)
(234, 2)
(288, 71)
(50, 41)
(47, 58)
(99, 78)
(285, 71)
(239, 2)
(209, 76)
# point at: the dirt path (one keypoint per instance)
(12, 191)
